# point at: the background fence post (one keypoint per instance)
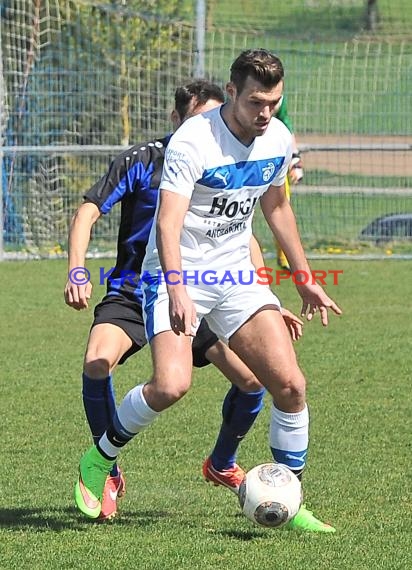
(2, 112)
(200, 38)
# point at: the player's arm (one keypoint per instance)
(294, 324)
(78, 289)
(256, 253)
(282, 222)
(281, 219)
(110, 189)
(169, 223)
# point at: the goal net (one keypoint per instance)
(81, 80)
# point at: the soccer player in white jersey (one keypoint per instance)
(218, 166)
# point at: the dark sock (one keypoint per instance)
(100, 406)
(239, 411)
(117, 434)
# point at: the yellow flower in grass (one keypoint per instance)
(56, 250)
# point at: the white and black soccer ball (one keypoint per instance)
(270, 495)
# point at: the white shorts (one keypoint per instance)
(225, 306)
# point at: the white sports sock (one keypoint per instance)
(289, 437)
(134, 413)
(132, 416)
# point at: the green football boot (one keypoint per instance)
(305, 520)
(93, 472)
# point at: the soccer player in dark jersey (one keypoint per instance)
(117, 331)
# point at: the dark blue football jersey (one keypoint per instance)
(133, 179)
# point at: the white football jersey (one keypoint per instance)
(224, 180)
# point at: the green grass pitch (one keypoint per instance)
(358, 477)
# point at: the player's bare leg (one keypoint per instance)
(106, 345)
(232, 367)
(171, 376)
(171, 380)
(264, 344)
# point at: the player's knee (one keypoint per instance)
(161, 396)
(290, 392)
(173, 393)
(97, 364)
(295, 392)
(96, 368)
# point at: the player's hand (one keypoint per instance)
(295, 169)
(182, 312)
(293, 323)
(77, 296)
(314, 299)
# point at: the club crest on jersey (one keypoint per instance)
(268, 172)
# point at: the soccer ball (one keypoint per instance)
(270, 495)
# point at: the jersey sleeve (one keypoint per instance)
(124, 176)
(110, 188)
(281, 175)
(183, 164)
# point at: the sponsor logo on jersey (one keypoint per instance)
(232, 228)
(224, 207)
(174, 167)
(222, 176)
(175, 161)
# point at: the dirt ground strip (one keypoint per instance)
(377, 161)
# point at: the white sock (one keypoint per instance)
(134, 413)
(132, 416)
(289, 437)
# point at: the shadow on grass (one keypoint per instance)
(243, 535)
(252, 534)
(68, 518)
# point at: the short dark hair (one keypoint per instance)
(200, 90)
(260, 64)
